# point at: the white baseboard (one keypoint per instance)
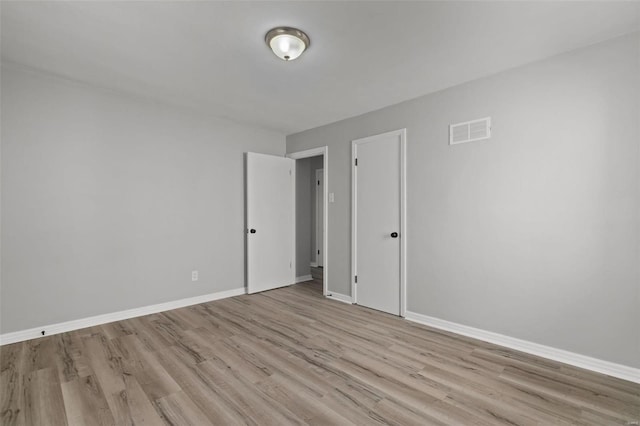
(612, 369)
(303, 278)
(63, 327)
(314, 264)
(340, 297)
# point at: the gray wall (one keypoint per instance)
(533, 234)
(305, 213)
(109, 202)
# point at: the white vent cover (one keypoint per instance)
(470, 131)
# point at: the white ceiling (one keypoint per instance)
(363, 56)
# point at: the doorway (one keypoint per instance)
(378, 222)
(270, 217)
(308, 266)
(311, 179)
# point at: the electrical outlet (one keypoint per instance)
(194, 275)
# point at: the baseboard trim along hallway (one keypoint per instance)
(303, 278)
(606, 367)
(63, 327)
(340, 297)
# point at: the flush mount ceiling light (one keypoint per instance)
(287, 43)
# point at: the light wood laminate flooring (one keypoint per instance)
(290, 356)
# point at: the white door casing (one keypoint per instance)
(270, 222)
(319, 226)
(378, 222)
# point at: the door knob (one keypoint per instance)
(253, 231)
(394, 235)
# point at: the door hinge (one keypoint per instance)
(318, 251)
(318, 183)
(289, 265)
(289, 172)
(356, 279)
(356, 161)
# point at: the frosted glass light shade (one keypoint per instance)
(287, 43)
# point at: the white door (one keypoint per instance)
(378, 188)
(319, 216)
(270, 222)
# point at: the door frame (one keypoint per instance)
(319, 229)
(402, 133)
(314, 152)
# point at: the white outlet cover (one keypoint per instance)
(194, 275)
(331, 197)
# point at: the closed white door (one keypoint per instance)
(270, 222)
(378, 187)
(319, 216)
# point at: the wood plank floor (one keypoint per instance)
(290, 356)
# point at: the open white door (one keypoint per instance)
(270, 222)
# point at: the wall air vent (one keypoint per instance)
(470, 131)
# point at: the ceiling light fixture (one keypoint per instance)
(287, 43)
